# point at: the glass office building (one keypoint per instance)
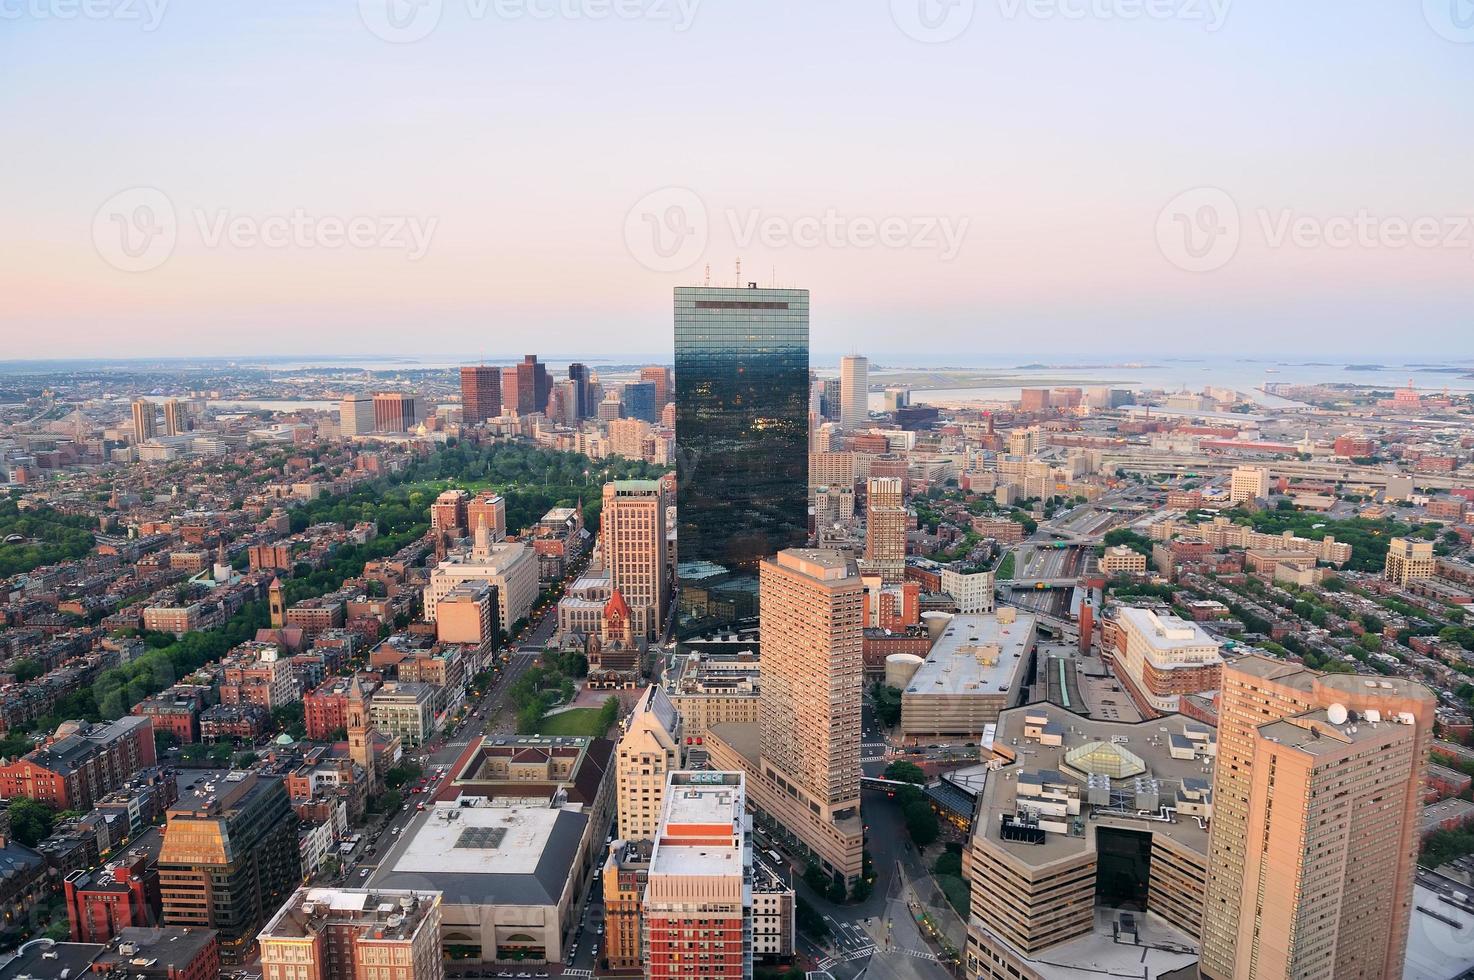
(742, 441)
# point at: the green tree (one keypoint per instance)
(887, 702)
(905, 772)
(30, 820)
(921, 823)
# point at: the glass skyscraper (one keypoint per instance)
(742, 441)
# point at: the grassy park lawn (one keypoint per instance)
(575, 721)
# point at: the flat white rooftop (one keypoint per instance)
(976, 654)
(479, 840)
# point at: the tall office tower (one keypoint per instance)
(647, 753)
(492, 507)
(353, 933)
(1317, 796)
(356, 416)
(885, 528)
(525, 386)
(697, 918)
(640, 401)
(633, 539)
(854, 392)
(395, 412)
(176, 417)
(813, 618)
(831, 399)
(660, 378)
(1248, 483)
(229, 856)
(563, 403)
(742, 369)
(481, 393)
(579, 375)
(145, 420)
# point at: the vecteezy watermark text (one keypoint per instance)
(939, 21)
(668, 230)
(138, 230)
(1200, 230)
(407, 21)
(936, 233)
(147, 13)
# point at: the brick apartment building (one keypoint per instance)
(81, 763)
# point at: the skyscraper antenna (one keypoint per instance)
(708, 273)
(739, 273)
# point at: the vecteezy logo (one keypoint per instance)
(1199, 230)
(933, 21)
(667, 230)
(400, 21)
(1452, 20)
(136, 230)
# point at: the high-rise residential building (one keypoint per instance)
(804, 757)
(449, 513)
(741, 369)
(176, 417)
(583, 389)
(1408, 559)
(395, 412)
(1248, 483)
(490, 508)
(354, 934)
(697, 915)
(481, 393)
(886, 520)
(854, 392)
(660, 378)
(356, 415)
(640, 401)
(525, 386)
(145, 420)
(1317, 807)
(648, 751)
(230, 855)
(633, 538)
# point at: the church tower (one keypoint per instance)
(278, 599)
(359, 749)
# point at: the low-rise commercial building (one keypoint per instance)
(975, 669)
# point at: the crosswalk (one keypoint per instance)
(865, 952)
(578, 973)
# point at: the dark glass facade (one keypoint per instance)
(742, 441)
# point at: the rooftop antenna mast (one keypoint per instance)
(739, 273)
(708, 274)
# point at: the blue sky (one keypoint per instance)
(508, 170)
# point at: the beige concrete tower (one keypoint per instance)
(1315, 823)
(647, 753)
(813, 610)
(885, 528)
(854, 392)
(632, 532)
